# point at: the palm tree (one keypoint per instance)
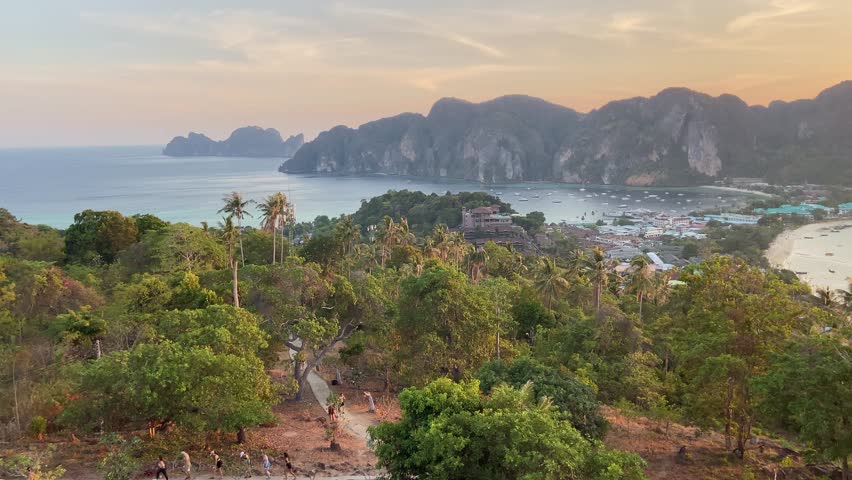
(459, 247)
(439, 240)
(846, 297)
(826, 297)
(476, 262)
(388, 237)
(404, 234)
(577, 261)
(550, 281)
(598, 271)
(641, 280)
(231, 234)
(271, 214)
(347, 234)
(235, 206)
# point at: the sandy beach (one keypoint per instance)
(739, 190)
(820, 253)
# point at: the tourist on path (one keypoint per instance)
(187, 465)
(244, 456)
(332, 413)
(218, 464)
(289, 465)
(342, 400)
(161, 468)
(267, 465)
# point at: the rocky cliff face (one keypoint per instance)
(243, 142)
(677, 137)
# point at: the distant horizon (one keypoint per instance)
(309, 138)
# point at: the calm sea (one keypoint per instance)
(48, 186)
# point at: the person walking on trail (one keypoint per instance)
(332, 413)
(267, 465)
(289, 465)
(217, 460)
(244, 456)
(369, 397)
(161, 468)
(187, 465)
(342, 400)
(30, 473)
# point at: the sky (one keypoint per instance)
(138, 72)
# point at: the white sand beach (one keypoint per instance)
(821, 253)
(739, 190)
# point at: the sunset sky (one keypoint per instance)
(99, 72)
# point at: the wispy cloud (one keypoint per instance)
(626, 23)
(422, 26)
(775, 10)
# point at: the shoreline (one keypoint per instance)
(787, 252)
(740, 190)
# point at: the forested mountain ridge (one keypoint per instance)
(243, 142)
(677, 137)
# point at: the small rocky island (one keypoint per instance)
(243, 142)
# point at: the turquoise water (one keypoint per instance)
(48, 186)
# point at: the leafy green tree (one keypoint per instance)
(531, 222)
(807, 388)
(145, 222)
(351, 304)
(576, 400)
(727, 322)
(449, 431)
(529, 315)
(181, 247)
(98, 236)
(120, 463)
(447, 325)
(41, 243)
(221, 328)
(154, 384)
(324, 250)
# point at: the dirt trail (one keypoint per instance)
(356, 422)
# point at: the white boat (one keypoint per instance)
(549, 193)
(557, 201)
(604, 203)
(499, 193)
(637, 200)
(522, 199)
(582, 189)
(536, 196)
(622, 206)
(588, 196)
(517, 194)
(679, 194)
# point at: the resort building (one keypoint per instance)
(805, 209)
(844, 209)
(488, 219)
(735, 218)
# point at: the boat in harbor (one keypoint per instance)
(831, 271)
(522, 199)
(557, 201)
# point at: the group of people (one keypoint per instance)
(218, 468)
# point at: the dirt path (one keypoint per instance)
(356, 422)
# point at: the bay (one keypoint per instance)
(48, 186)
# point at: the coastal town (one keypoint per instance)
(626, 233)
